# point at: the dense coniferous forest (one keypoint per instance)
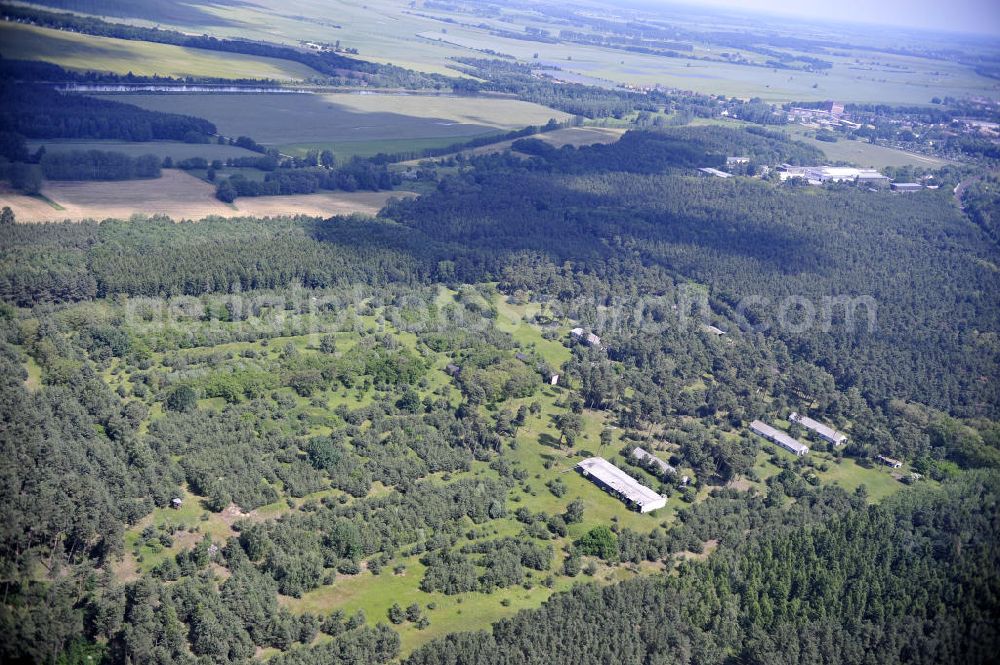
(98, 165)
(41, 112)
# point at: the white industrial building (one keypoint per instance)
(817, 175)
(821, 430)
(708, 170)
(617, 482)
(778, 437)
(643, 456)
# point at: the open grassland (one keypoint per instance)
(161, 149)
(374, 122)
(862, 153)
(177, 195)
(87, 52)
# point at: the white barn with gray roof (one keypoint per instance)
(608, 476)
(778, 437)
(823, 431)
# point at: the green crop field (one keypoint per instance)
(374, 122)
(86, 52)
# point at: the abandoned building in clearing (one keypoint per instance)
(822, 431)
(585, 338)
(646, 457)
(609, 477)
(779, 438)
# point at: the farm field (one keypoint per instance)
(177, 195)
(574, 136)
(291, 122)
(87, 52)
(389, 31)
(161, 149)
(914, 84)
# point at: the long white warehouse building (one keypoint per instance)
(614, 480)
(778, 437)
(823, 431)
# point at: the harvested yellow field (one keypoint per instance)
(321, 204)
(180, 196)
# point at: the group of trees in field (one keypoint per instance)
(354, 175)
(98, 165)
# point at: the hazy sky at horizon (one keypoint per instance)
(978, 16)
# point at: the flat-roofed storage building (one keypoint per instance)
(778, 437)
(614, 480)
(823, 431)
